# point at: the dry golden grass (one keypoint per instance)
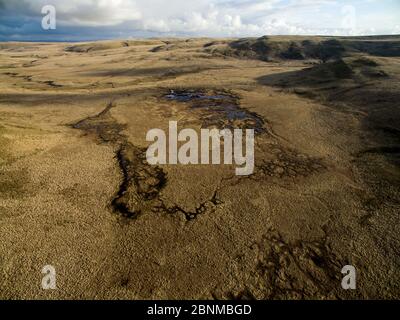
(325, 192)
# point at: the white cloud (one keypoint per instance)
(396, 30)
(201, 17)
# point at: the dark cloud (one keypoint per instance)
(101, 19)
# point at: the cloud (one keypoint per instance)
(396, 30)
(135, 18)
(79, 13)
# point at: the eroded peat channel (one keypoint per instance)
(219, 109)
(141, 182)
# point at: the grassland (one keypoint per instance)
(77, 193)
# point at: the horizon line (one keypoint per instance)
(198, 37)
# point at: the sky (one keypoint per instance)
(83, 20)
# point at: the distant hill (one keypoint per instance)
(300, 48)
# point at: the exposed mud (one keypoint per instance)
(52, 84)
(221, 110)
(207, 206)
(289, 164)
(141, 182)
(279, 263)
